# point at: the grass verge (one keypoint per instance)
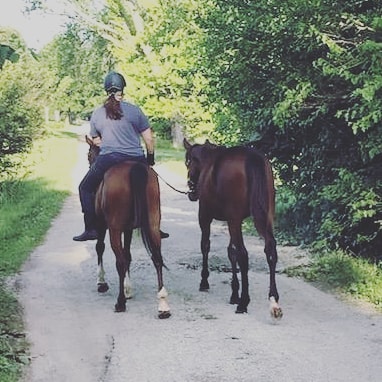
(342, 273)
(27, 207)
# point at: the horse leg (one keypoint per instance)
(163, 306)
(232, 255)
(100, 248)
(127, 283)
(238, 252)
(271, 253)
(205, 226)
(116, 245)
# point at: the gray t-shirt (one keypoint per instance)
(122, 136)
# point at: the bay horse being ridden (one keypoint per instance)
(128, 198)
(232, 184)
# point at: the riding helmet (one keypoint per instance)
(114, 82)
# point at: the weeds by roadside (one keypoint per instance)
(27, 206)
(341, 272)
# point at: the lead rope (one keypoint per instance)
(168, 184)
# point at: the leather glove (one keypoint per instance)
(150, 159)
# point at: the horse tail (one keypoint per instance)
(262, 192)
(138, 181)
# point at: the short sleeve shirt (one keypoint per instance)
(122, 136)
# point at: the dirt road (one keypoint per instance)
(77, 337)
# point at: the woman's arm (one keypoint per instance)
(148, 138)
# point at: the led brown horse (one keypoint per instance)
(232, 184)
(128, 198)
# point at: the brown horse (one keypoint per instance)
(232, 184)
(128, 198)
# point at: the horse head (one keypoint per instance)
(93, 150)
(197, 156)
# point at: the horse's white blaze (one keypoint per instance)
(128, 287)
(163, 303)
(100, 275)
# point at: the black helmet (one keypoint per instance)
(114, 82)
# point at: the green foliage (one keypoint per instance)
(27, 204)
(13, 346)
(350, 213)
(20, 119)
(7, 53)
(302, 80)
(160, 61)
(26, 211)
(78, 60)
(12, 46)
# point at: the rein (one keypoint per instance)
(168, 184)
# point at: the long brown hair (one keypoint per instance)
(113, 108)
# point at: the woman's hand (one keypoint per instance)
(97, 141)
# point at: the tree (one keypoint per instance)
(79, 60)
(302, 79)
(20, 119)
(155, 46)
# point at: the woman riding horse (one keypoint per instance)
(116, 127)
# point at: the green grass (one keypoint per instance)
(345, 274)
(27, 207)
(13, 346)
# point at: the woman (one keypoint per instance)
(116, 127)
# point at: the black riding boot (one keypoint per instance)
(90, 232)
(164, 235)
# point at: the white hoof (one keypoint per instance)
(163, 306)
(274, 309)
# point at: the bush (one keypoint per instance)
(20, 122)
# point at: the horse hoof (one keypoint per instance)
(241, 310)
(119, 308)
(277, 313)
(275, 310)
(163, 315)
(103, 287)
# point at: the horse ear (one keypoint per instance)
(186, 144)
(89, 141)
(209, 144)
